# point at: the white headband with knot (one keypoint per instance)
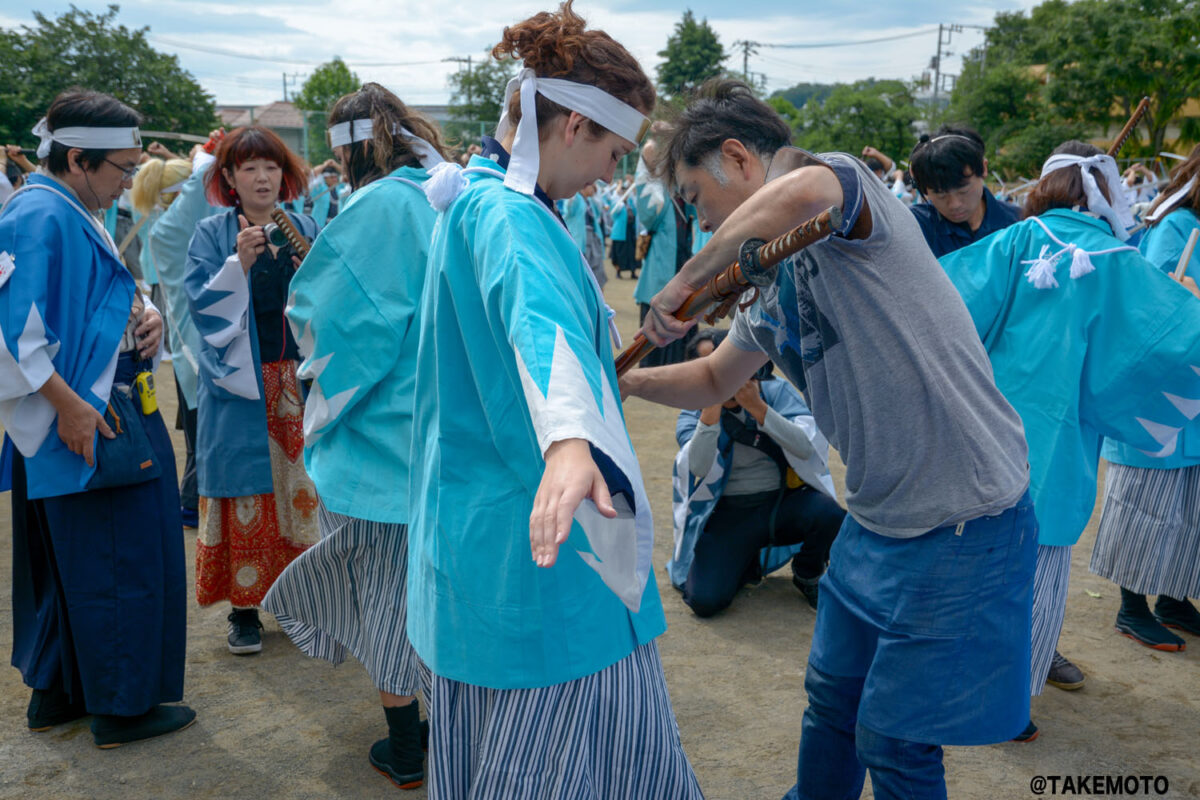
(87, 137)
(590, 101)
(1115, 213)
(359, 130)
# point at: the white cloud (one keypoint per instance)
(367, 32)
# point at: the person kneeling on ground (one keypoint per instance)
(752, 490)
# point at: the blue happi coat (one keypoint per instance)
(1162, 245)
(353, 309)
(655, 213)
(515, 355)
(695, 499)
(232, 457)
(167, 245)
(1113, 352)
(574, 214)
(65, 300)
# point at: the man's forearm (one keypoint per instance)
(687, 385)
(770, 212)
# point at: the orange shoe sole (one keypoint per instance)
(410, 785)
(1167, 648)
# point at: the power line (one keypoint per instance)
(221, 51)
(815, 45)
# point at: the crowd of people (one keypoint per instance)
(404, 436)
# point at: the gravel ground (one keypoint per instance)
(279, 725)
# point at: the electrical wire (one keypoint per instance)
(815, 45)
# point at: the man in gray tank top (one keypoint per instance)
(923, 630)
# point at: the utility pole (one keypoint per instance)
(467, 80)
(292, 80)
(748, 49)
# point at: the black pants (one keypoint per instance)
(727, 553)
(185, 418)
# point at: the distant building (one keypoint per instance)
(281, 116)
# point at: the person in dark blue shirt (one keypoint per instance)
(949, 171)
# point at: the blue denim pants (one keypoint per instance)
(919, 643)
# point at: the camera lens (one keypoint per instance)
(275, 234)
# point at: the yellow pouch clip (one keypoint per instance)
(143, 384)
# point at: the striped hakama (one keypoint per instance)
(1149, 537)
(1049, 607)
(611, 734)
(348, 592)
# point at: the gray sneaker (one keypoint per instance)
(244, 627)
(1064, 674)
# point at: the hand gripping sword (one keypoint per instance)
(757, 264)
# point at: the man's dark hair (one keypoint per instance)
(945, 161)
(722, 109)
(85, 108)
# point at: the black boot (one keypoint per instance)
(399, 757)
(1178, 614)
(1135, 621)
(50, 707)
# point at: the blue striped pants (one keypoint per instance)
(1049, 607)
(348, 592)
(607, 736)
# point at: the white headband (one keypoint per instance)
(86, 137)
(1115, 213)
(359, 130)
(590, 101)
(1167, 205)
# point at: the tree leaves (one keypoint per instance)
(81, 48)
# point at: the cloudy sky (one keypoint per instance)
(240, 51)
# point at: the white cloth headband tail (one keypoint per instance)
(87, 137)
(1166, 206)
(358, 130)
(590, 101)
(1116, 213)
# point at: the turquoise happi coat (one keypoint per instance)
(515, 355)
(1162, 245)
(1112, 352)
(352, 309)
(656, 214)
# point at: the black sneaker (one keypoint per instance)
(244, 627)
(807, 586)
(1178, 614)
(1028, 735)
(1064, 674)
(112, 731)
(50, 707)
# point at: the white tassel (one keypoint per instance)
(446, 182)
(1081, 263)
(1041, 274)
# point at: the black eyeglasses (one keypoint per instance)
(126, 174)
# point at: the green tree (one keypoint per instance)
(1070, 69)
(801, 93)
(477, 96)
(327, 83)
(870, 112)
(81, 48)
(693, 55)
(1114, 52)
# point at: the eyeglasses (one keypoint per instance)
(126, 174)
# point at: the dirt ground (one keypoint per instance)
(279, 725)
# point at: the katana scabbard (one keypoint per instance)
(1138, 113)
(756, 267)
(294, 237)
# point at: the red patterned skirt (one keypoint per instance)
(245, 542)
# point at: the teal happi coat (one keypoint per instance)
(1162, 245)
(1111, 352)
(353, 311)
(515, 355)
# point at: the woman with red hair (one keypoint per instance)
(257, 504)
